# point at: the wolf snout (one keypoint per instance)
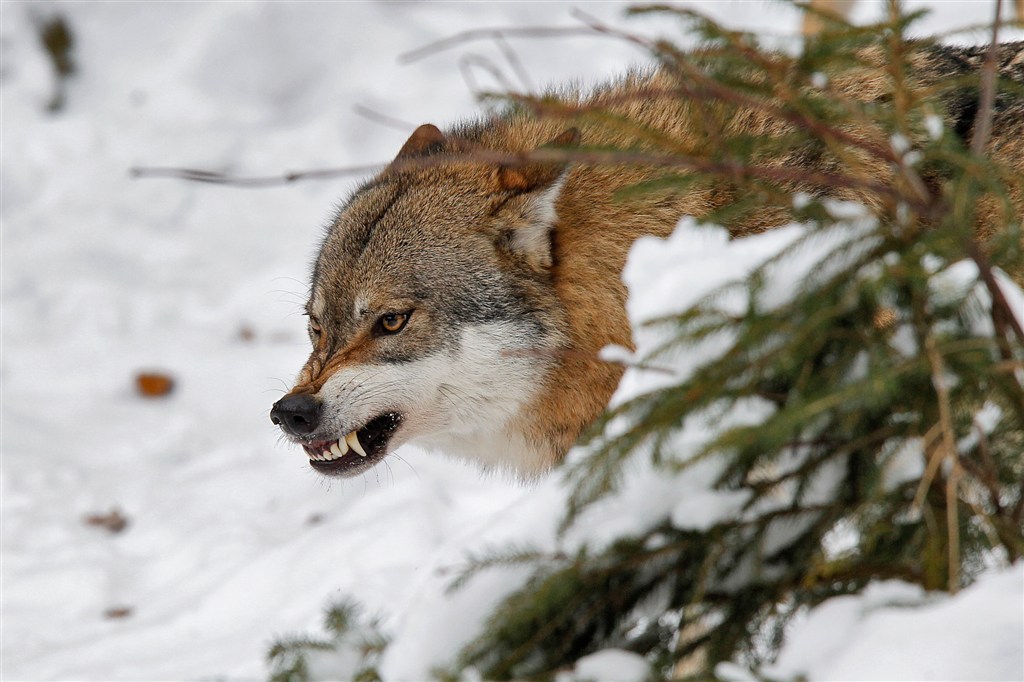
(297, 414)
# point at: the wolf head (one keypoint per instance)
(431, 313)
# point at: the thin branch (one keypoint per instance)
(470, 60)
(383, 119)
(725, 169)
(987, 97)
(947, 443)
(998, 299)
(488, 33)
(512, 57)
(982, 131)
(933, 461)
(215, 178)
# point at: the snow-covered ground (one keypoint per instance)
(231, 539)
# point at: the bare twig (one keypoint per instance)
(987, 97)
(953, 524)
(488, 33)
(512, 57)
(724, 169)
(212, 177)
(932, 465)
(982, 131)
(470, 60)
(948, 444)
(998, 299)
(383, 119)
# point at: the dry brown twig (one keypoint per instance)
(466, 64)
(724, 169)
(491, 34)
(216, 178)
(982, 132)
(383, 119)
(948, 446)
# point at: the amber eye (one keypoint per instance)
(392, 323)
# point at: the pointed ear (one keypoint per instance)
(426, 139)
(528, 177)
(528, 234)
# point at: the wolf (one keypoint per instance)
(460, 299)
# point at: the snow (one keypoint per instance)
(895, 631)
(609, 665)
(706, 258)
(904, 463)
(232, 540)
(704, 508)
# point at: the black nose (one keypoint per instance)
(297, 414)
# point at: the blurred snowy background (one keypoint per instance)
(230, 539)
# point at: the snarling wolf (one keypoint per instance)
(460, 300)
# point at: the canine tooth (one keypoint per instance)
(336, 451)
(342, 446)
(353, 440)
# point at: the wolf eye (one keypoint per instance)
(392, 323)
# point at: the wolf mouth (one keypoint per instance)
(355, 451)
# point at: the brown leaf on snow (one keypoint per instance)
(153, 384)
(115, 612)
(113, 521)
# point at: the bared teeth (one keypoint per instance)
(340, 449)
(353, 440)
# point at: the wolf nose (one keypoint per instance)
(297, 414)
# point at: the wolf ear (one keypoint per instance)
(425, 140)
(538, 185)
(528, 237)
